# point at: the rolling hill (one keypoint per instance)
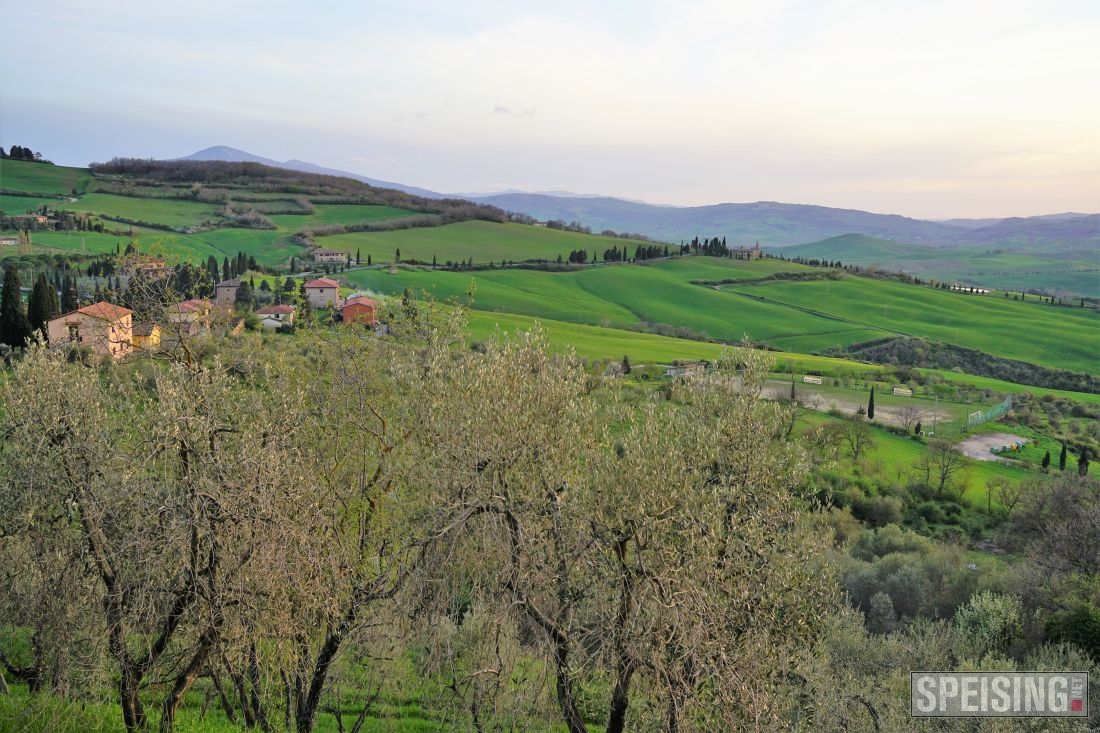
(234, 155)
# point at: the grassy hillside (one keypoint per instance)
(326, 214)
(174, 213)
(482, 240)
(21, 175)
(1063, 338)
(793, 316)
(1047, 267)
(16, 205)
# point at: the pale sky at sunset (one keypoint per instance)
(930, 109)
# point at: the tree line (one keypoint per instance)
(19, 152)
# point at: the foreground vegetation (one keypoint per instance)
(321, 523)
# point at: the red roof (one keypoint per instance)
(273, 309)
(322, 282)
(360, 300)
(105, 311)
(194, 305)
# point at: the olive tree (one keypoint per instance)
(655, 549)
(164, 490)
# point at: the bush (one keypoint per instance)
(1079, 625)
(878, 511)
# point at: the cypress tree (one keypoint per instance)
(43, 304)
(14, 328)
(1062, 457)
(1083, 462)
(916, 428)
(871, 404)
(70, 301)
(1046, 461)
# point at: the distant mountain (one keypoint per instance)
(1058, 227)
(769, 222)
(233, 155)
(778, 224)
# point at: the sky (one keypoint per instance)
(930, 109)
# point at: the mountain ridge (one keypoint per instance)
(771, 222)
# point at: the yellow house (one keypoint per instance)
(104, 328)
(146, 337)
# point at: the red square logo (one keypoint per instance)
(1076, 706)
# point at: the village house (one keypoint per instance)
(148, 266)
(146, 337)
(225, 292)
(360, 309)
(322, 292)
(274, 316)
(330, 255)
(104, 328)
(187, 318)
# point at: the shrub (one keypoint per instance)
(1079, 625)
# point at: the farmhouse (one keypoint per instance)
(322, 292)
(225, 292)
(360, 309)
(103, 327)
(330, 255)
(274, 316)
(747, 253)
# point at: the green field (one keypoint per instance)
(1048, 267)
(482, 240)
(20, 175)
(1059, 337)
(19, 205)
(175, 213)
(792, 316)
(326, 214)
